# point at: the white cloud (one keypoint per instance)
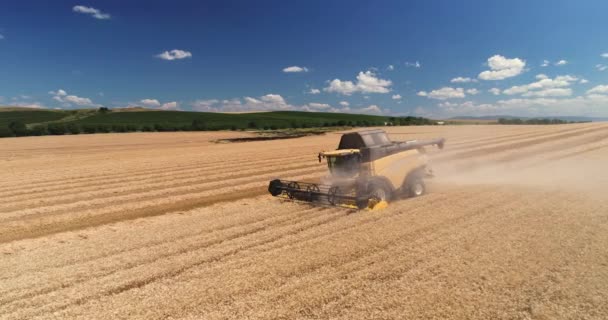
(293, 69)
(264, 103)
(173, 105)
(536, 107)
(396, 97)
(314, 91)
(604, 55)
(274, 99)
(494, 91)
(207, 105)
(601, 89)
(544, 87)
(444, 93)
(583, 81)
(95, 13)
(367, 82)
(561, 63)
(63, 97)
(274, 102)
(601, 67)
(31, 105)
(174, 54)
(502, 68)
(462, 80)
(472, 91)
(1, 37)
(545, 63)
(390, 67)
(415, 64)
(551, 92)
(150, 102)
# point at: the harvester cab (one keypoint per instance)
(366, 171)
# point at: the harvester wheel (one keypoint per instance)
(416, 187)
(378, 192)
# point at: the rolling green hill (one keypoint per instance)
(18, 122)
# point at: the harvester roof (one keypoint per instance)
(364, 139)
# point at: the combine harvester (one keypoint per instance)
(366, 171)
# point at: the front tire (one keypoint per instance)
(379, 191)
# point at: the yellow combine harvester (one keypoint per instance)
(366, 171)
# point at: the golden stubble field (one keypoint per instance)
(171, 225)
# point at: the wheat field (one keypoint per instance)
(175, 226)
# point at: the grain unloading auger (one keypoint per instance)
(366, 171)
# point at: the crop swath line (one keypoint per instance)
(494, 141)
(244, 221)
(180, 181)
(133, 175)
(449, 224)
(146, 194)
(273, 220)
(311, 223)
(312, 237)
(515, 145)
(339, 211)
(28, 231)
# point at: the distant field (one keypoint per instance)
(59, 122)
(30, 116)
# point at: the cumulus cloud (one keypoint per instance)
(601, 89)
(583, 81)
(462, 80)
(1, 37)
(174, 54)
(533, 107)
(545, 63)
(314, 91)
(390, 67)
(68, 100)
(604, 55)
(173, 105)
(150, 102)
(396, 97)
(294, 69)
(443, 93)
(275, 102)
(494, 91)
(561, 63)
(601, 67)
(544, 87)
(31, 105)
(95, 13)
(502, 68)
(551, 92)
(264, 103)
(367, 82)
(472, 91)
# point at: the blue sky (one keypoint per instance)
(430, 58)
